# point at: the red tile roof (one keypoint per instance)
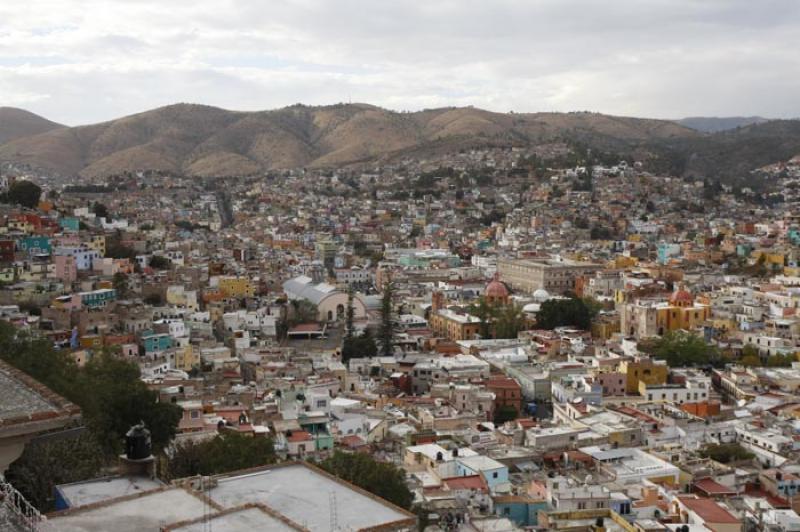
(471, 482)
(711, 487)
(708, 510)
(300, 435)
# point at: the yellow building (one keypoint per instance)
(236, 287)
(98, 242)
(450, 324)
(648, 318)
(770, 258)
(186, 358)
(605, 327)
(643, 370)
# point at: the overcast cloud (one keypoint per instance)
(91, 60)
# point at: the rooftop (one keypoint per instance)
(304, 494)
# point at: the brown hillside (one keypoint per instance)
(208, 141)
(18, 123)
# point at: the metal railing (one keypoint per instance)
(17, 514)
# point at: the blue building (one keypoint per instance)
(35, 245)
(70, 224)
(522, 511)
(98, 298)
(493, 472)
(156, 343)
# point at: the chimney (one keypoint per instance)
(138, 459)
(437, 301)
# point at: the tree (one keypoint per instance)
(47, 463)
(726, 452)
(25, 193)
(228, 451)
(109, 391)
(101, 211)
(120, 283)
(157, 262)
(682, 348)
(386, 331)
(750, 361)
(505, 413)
(116, 249)
(779, 361)
(510, 320)
(379, 478)
(302, 311)
(359, 347)
(349, 316)
(564, 312)
(486, 313)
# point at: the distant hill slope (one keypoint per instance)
(713, 124)
(731, 155)
(208, 141)
(17, 123)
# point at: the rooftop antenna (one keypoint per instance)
(206, 505)
(334, 513)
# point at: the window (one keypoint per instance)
(494, 474)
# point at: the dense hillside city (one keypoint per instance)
(501, 338)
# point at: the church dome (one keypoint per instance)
(541, 295)
(681, 297)
(496, 289)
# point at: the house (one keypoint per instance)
(696, 510)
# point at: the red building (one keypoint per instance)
(7, 250)
(507, 392)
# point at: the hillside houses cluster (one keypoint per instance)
(235, 300)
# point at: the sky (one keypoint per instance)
(85, 61)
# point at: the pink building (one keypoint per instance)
(66, 268)
(613, 383)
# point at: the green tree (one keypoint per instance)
(116, 249)
(44, 464)
(228, 451)
(571, 312)
(109, 391)
(386, 330)
(486, 313)
(682, 348)
(383, 479)
(779, 361)
(120, 283)
(157, 262)
(101, 211)
(349, 315)
(302, 311)
(25, 193)
(726, 452)
(510, 321)
(362, 346)
(750, 361)
(505, 413)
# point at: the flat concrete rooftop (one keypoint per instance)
(92, 491)
(147, 513)
(281, 498)
(244, 520)
(305, 496)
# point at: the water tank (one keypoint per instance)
(137, 443)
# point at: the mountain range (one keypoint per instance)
(715, 124)
(208, 141)
(18, 123)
